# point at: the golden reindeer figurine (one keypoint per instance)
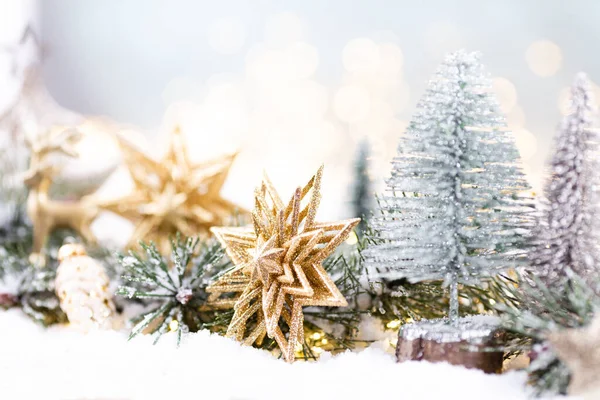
(45, 213)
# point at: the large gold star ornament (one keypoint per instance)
(278, 267)
(173, 194)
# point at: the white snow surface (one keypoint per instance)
(63, 364)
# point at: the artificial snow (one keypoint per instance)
(60, 363)
(473, 328)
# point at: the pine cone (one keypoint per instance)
(82, 287)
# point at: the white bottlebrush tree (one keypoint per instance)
(567, 236)
(452, 209)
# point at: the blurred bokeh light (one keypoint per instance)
(544, 57)
(292, 85)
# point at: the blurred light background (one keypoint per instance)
(293, 84)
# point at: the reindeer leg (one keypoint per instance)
(90, 213)
(86, 233)
(40, 235)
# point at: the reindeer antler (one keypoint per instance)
(51, 141)
(60, 141)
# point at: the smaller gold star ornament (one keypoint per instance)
(278, 267)
(173, 194)
(579, 349)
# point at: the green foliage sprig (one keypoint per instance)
(34, 287)
(174, 289)
(539, 309)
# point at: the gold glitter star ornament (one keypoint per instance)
(174, 194)
(278, 267)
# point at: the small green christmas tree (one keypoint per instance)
(362, 193)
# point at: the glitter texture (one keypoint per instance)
(82, 288)
(279, 266)
(567, 235)
(453, 209)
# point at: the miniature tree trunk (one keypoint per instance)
(453, 311)
(472, 343)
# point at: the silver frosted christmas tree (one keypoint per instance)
(452, 210)
(567, 234)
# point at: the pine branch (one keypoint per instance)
(561, 291)
(174, 289)
(34, 288)
(398, 301)
(345, 268)
(330, 329)
(37, 298)
(538, 310)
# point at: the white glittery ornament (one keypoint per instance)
(82, 288)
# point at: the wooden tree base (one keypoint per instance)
(471, 343)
